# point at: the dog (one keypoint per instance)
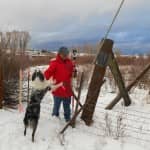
(39, 88)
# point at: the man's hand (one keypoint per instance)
(52, 81)
(53, 84)
(56, 86)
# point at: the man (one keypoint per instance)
(61, 70)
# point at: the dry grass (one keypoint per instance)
(130, 67)
(84, 60)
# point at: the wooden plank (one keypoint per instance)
(128, 88)
(96, 81)
(78, 98)
(73, 118)
(118, 78)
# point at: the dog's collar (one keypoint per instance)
(36, 90)
(29, 105)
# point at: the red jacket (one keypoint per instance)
(61, 70)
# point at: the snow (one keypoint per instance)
(120, 146)
(136, 121)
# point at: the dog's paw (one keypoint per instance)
(25, 132)
(32, 139)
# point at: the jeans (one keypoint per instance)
(66, 105)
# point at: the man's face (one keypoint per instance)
(64, 56)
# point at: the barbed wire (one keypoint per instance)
(102, 110)
(114, 110)
(127, 128)
(129, 114)
(127, 118)
(126, 135)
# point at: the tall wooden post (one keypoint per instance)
(105, 58)
(97, 80)
(1, 88)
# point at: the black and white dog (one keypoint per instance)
(39, 88)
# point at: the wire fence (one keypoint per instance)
(136, 123)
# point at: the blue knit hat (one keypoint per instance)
(63, 50)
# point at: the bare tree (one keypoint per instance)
(10, 44)
(24, 40)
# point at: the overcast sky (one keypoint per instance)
(70, 20)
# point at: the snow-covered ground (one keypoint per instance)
(119, 129)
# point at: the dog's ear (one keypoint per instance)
(41, 76)
(34, 75)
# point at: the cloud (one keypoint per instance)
(24, 13)
(65, 20)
